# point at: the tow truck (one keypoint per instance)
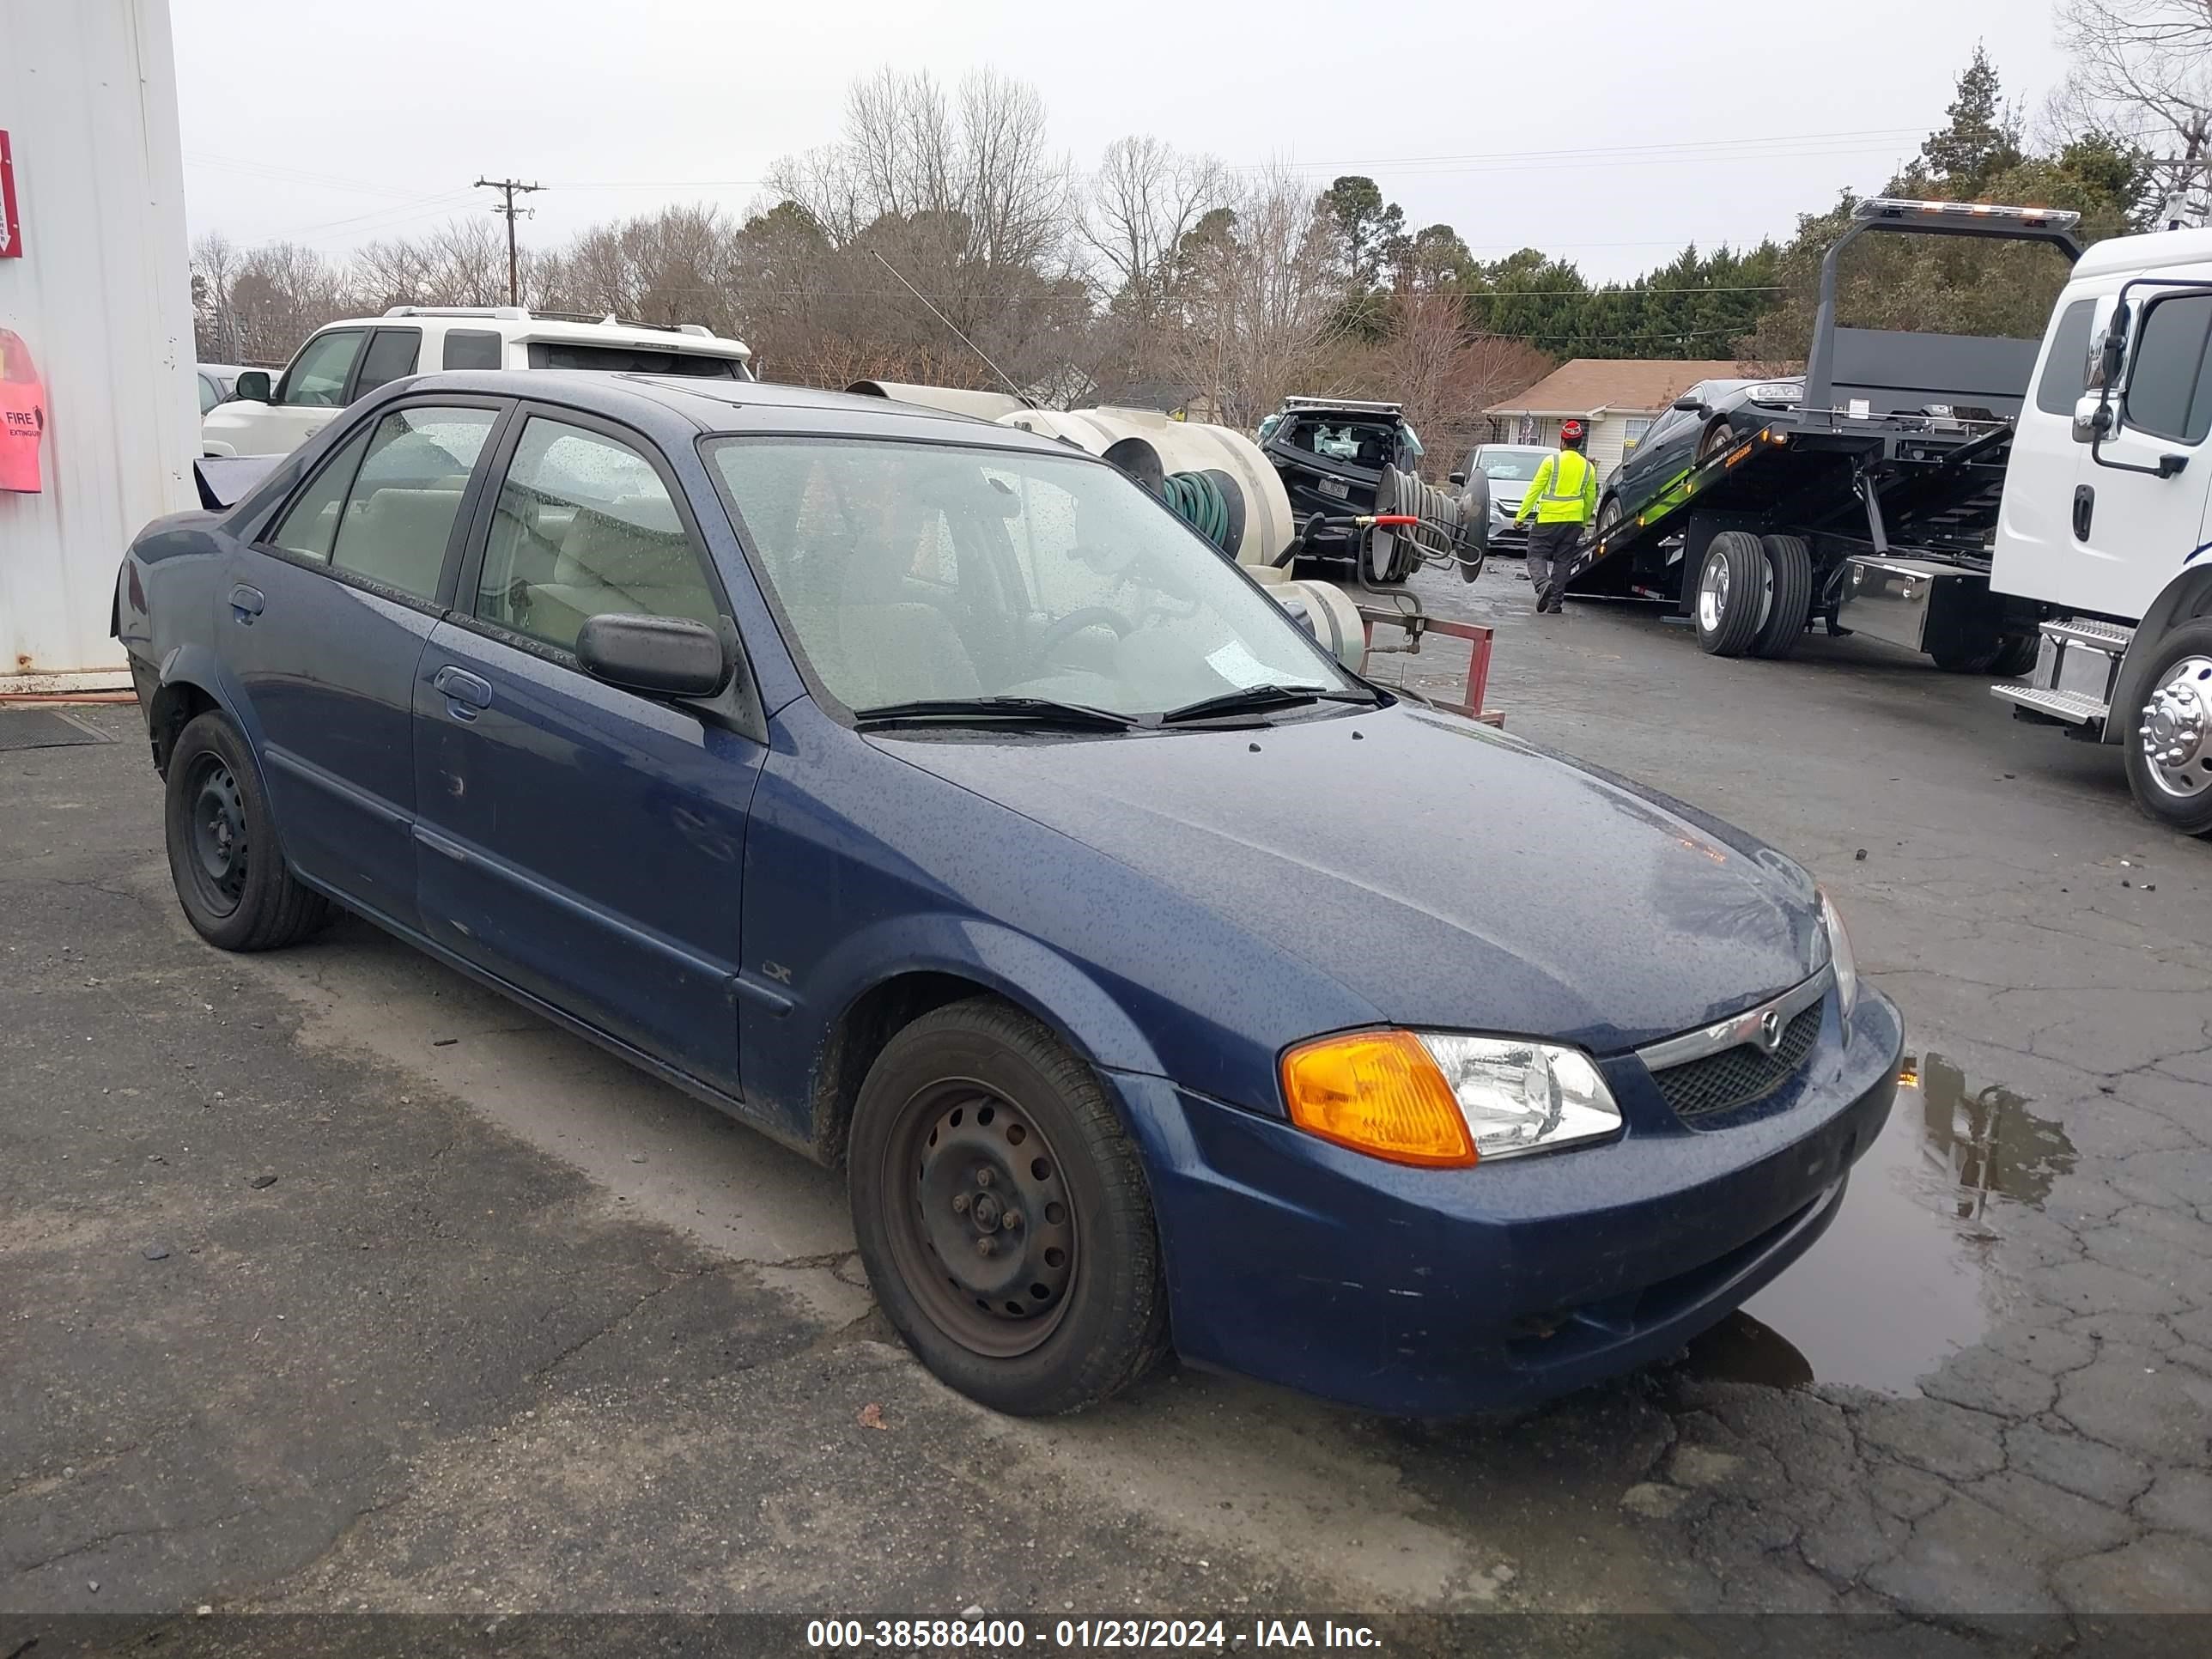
(1872, 505)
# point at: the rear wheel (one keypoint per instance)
(1609, 516)
(1789, 584)
(1003, 1215)
(223, 846)
(1733, 592)
(2170, 748)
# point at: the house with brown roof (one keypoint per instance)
(1617, 398)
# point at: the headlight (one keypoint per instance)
(1839, 956)
(1439, 1101)
(1778, 391)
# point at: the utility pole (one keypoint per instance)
(511, 188)
(2183, 205)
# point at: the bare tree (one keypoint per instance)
(1143, 201)
(462, 262)
(281, 293)
(214, 329)
(2142, 74)
(1258, 293)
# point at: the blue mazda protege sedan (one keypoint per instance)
(927, 795)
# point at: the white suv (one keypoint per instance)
(348, 360)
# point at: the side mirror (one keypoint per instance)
(1690, 406)
(2112, 351)
(1457, 478)
(250, 387)
(659, 656)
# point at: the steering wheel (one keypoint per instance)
(1089, 615)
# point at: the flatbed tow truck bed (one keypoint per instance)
(1873, 505)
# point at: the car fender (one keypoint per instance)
(2186, 597)
(216, 447)
(1025, 971)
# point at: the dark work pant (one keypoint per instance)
(1552, 548)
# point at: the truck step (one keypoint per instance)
(2097, 636)
(2074, 708)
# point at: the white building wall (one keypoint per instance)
(102, 298)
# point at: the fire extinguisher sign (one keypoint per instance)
(11, 228)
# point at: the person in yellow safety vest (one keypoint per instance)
(1563, 497)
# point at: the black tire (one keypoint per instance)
(1789, 572)
(1982, 654)
(945, 1106)
(2183, 659)
(1718, 438)
(2017, 655)
(1731, 594)
(1609, 517)
(223, 849)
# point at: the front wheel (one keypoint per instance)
(224, 854)
(1003, 1215)
(2170, 749)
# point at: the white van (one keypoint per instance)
(274, 414)
(2105, 520)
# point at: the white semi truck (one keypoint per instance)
(2104, 522)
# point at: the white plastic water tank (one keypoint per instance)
(101, 294)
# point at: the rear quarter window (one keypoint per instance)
(632, 360)
(471, 348)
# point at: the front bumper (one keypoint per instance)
(1433, 1293)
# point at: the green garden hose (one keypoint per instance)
(1196, 499)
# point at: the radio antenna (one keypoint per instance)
(1028, 402)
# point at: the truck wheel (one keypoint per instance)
(230, 877)
(1003, 1215)
(1790, 574)
(2017, 655)
(2170, 749)
(1987, 654)
(1733, 593)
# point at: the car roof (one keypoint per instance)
(704, 405)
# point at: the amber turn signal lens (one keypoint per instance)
(1380, 1093)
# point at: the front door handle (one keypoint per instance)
(465, 693)
(246, 604)
(2085, 506)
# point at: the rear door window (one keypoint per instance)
(317, 379)
(2167, 392)
(399, 513)
(391, 355)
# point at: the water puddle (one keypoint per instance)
(1901, 1278)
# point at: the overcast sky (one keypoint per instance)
(1609, 133)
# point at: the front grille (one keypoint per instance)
(1738, 1077)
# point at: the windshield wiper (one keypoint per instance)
(1253, 699)
(996, 711)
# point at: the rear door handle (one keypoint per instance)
(465, 692)
(246, 604)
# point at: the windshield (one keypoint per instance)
(907, 572)
(1511, 466)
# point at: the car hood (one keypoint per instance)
(1444, 873)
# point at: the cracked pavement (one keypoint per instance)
(515, 1328)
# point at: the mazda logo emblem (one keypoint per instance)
(1770, 1030)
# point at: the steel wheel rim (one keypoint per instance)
(2175, 734)
(965, 1165)
(216, 812)
(1712, 593)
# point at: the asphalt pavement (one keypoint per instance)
(330, 1282)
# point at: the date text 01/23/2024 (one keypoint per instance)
(985, 1636)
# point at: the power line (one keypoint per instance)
(511, 188)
